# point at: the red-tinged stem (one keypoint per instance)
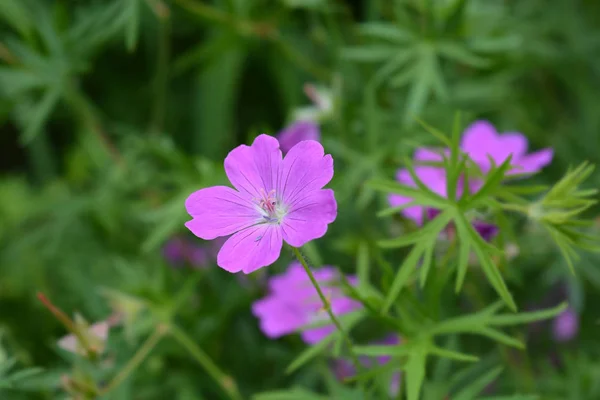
(66, 321)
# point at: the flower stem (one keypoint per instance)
(327, 307)
(224, 381)
(137, 359)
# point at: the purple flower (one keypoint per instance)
(179, 250)
(297, 132)
(344, 369)
(293, 303)
(434, 178)
(565, 325)
(481, 140)
(274, 200)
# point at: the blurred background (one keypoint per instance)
(113, 111)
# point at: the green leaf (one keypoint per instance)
(415, 370)
(493, 180)
(132, 13)
(368, 53)
(40, 114)
(383, 350)
(417, 236)
(464, 250)
(527, 317)
(453, 355)
(393, 33)
(424, 199)
(292, 394)
(17, 14)
(461, 54)
(477, 386)
(310, 353)
(501, 337)
(489, 268)
(404, 273)
(362, 264)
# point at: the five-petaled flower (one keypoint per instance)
(293, 303)
(275, 199)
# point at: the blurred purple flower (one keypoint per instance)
(293, 303)
(565, 326)
(296, 132)
(344, 369)
(434, 178)
(481, 141)
(179, 251)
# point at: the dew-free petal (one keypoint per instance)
(251, 249)
(305, 168)
(277, 318)
(219, 211)
(535, 161)
(296, 132)
(254, 169)
(309, 217)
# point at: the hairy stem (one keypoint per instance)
(327, 307)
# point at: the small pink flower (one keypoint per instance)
(274, 200)
(294, 303)
(296, 132)
(434, 177)
(97, 333)
(481, 140)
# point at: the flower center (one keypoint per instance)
(270, 206)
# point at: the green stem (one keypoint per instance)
(137, 359)
(224, 381)
(327, 307)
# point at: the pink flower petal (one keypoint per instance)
(251, 249)
(254, 169)
(315, 335)
(219, 211)
(309, 216)
(297, 132)
(534, 162)
(305, 168)
(277, 318)
(480, 135)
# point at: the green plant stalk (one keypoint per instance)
(327, 307)
(224, 381)
(137, 358)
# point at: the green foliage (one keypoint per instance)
(114, 111)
